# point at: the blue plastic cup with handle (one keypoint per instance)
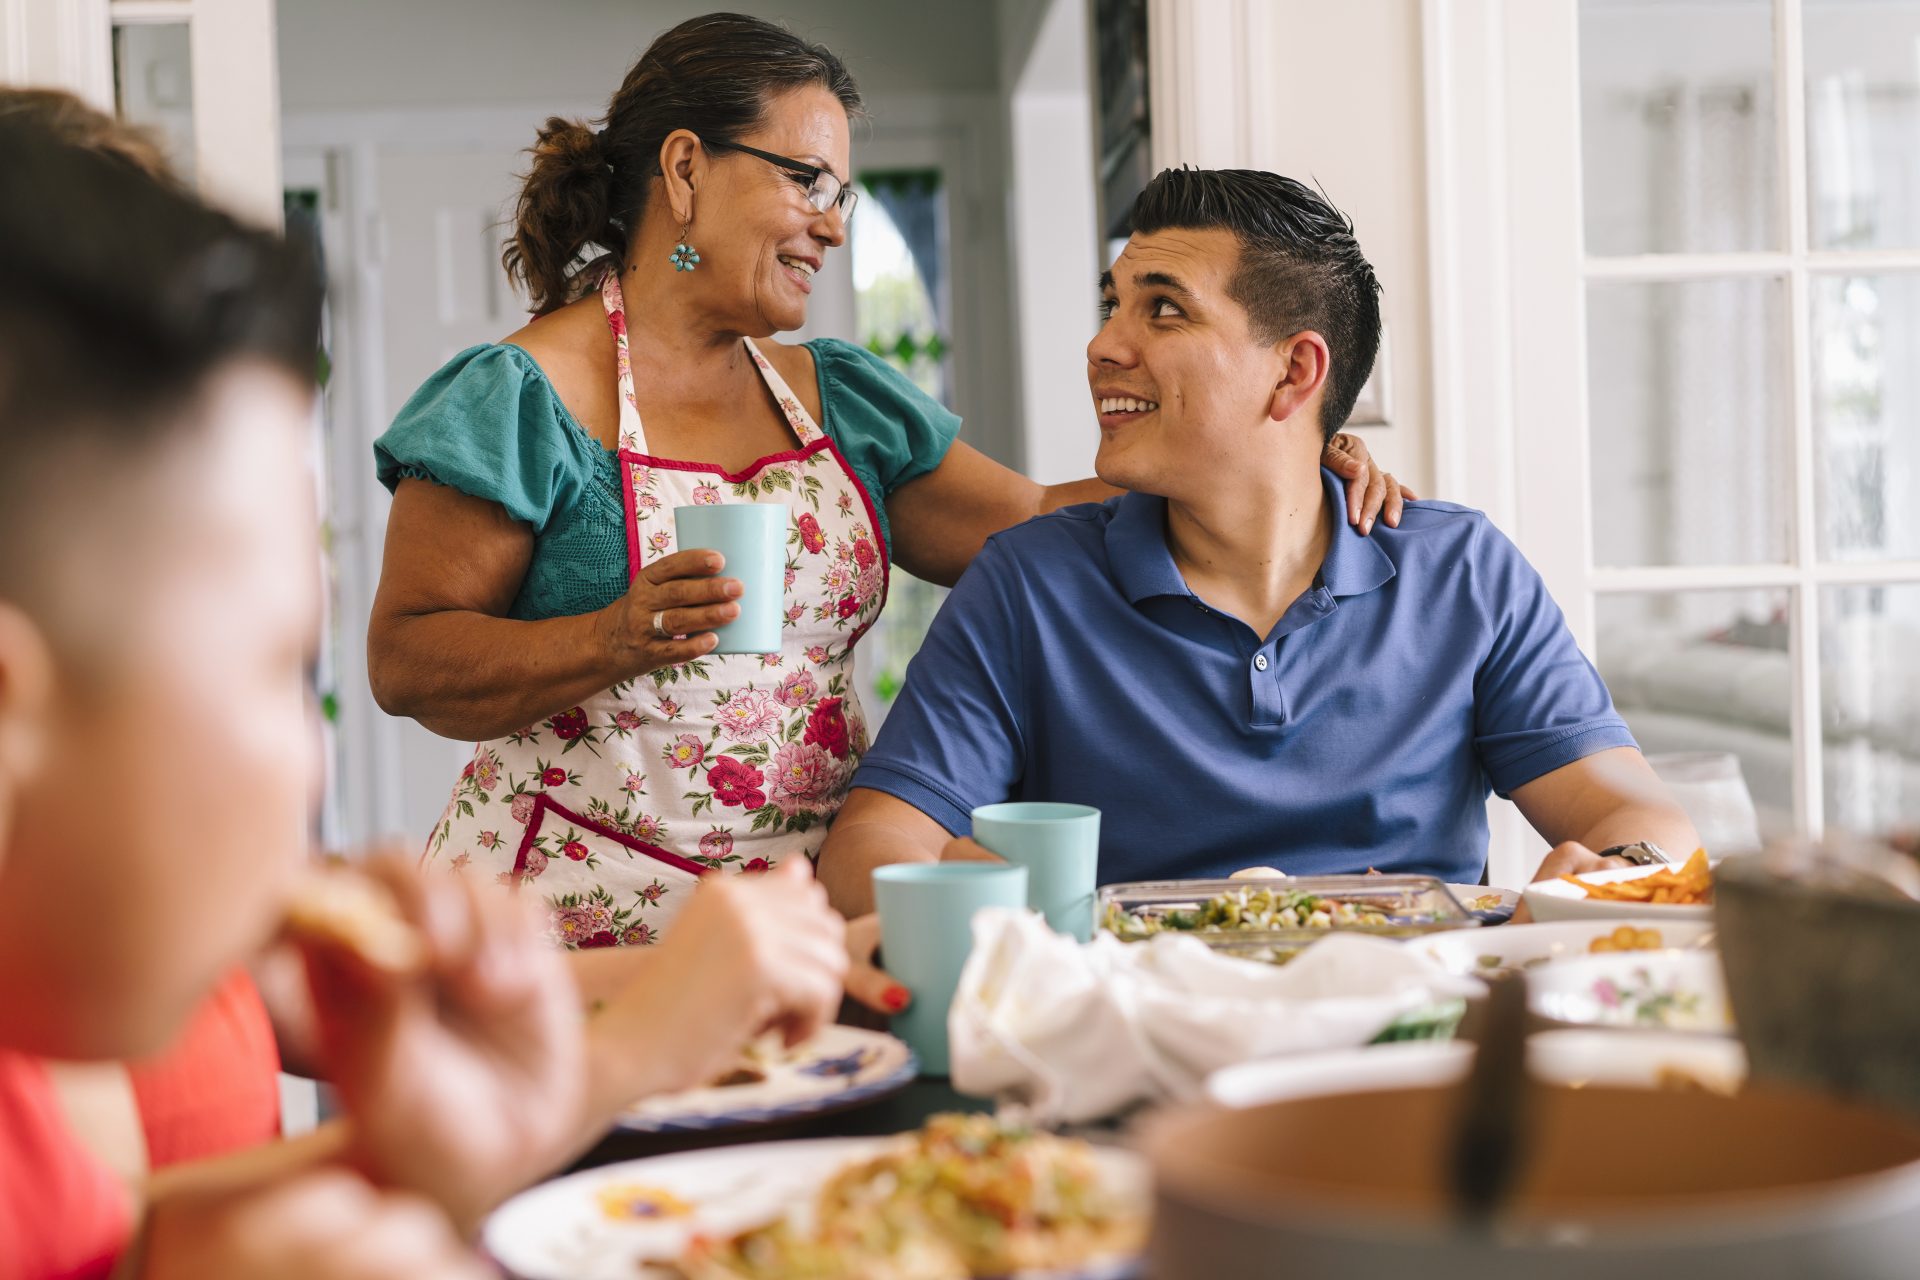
(926, 931)
(753, 538)
(1059, 845)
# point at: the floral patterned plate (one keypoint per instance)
(1637, 990)
(840, 1067)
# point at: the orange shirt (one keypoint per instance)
(217, 1088)
(63, 1214)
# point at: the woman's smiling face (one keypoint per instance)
(760, 242)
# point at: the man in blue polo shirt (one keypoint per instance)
(1215, 660)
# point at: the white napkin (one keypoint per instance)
(1076, 1032)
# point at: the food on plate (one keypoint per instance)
(1258, 873)
(361, 915)
(1690, 885)
(967, 1195)
(1626, 938)
(631, 1202)
(1265, 909)
(757, 1056)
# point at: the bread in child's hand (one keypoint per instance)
(351, 911)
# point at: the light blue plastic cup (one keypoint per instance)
(753, 538)
(926, 931)
(1059, 845)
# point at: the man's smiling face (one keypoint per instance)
(1178, 379)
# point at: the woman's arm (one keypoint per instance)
(941, 520)
(441, 650)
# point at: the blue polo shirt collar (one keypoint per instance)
(1143, 566)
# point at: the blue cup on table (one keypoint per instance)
(926, 932)
(753, 538)
(1059, 845)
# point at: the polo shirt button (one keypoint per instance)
(1260, 662)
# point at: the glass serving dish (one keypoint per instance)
(1273, 919)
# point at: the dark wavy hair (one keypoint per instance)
(714, 75)
(1300, 266)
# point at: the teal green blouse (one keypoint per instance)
(489, 424)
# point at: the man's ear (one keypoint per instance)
(1305, 362)
(26, 697)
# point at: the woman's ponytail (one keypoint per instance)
(565, 206)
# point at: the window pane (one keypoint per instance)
(899, 266)
(153, 78)
(1866, 414)
(1863, 123)
(1677, 126)
(899, 244)
(1708, 672)
(1688, 418)
(1870, 696)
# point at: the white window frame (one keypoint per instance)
(236, 96)
(68, 44)
(1508, 258)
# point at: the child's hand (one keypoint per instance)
(464, 1080)
(747, 954)
(328, 1224)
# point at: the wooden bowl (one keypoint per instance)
(1618, 1182)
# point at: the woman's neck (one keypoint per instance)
(674, 344)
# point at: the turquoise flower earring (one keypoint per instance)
(684, 256)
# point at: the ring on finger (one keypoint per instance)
(659, 624)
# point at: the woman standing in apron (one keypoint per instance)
(533, 599)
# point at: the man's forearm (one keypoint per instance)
(851, 853)
(1666, 825)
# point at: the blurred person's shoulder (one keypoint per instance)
(62, 1211)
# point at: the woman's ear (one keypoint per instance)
(681, 155)
(26, 699)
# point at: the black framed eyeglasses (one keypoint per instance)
(824, 188)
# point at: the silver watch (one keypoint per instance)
(1642, 853)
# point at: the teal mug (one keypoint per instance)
(926, 932)
(1059, 845)
(753, 538)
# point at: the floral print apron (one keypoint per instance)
(613, 809)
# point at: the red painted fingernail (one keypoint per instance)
(895, 998)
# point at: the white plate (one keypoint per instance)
(1573, 1058)
(1473, 952)
(1635, 990)
(838, 1067)
(558, 1231)
(1557, 900)
(1494, 905)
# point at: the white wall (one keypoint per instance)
(1051, 214)
(438, 53)
(1344, 107)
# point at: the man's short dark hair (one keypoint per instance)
(1300, 266)
(120, 297)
